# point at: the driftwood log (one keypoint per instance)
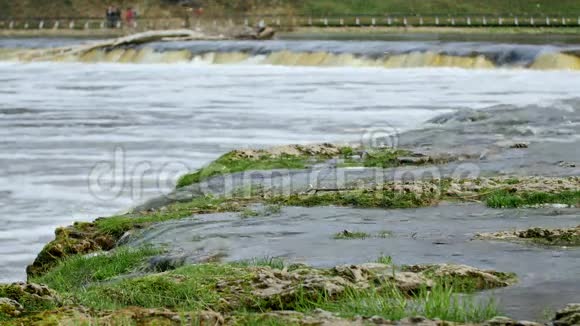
(136, 39)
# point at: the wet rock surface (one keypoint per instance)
(568, 316)
(482, 279)
(280, 288)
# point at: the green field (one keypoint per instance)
(425, 7)
(95, 8)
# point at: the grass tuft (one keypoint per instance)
(390, 303)
(347, 235)
(79, 271)
(273, 262)
(507, 199)
(387, 260)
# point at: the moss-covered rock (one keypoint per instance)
(543, 236)
(80, 238)
(10, 308)
(280, 157)
(21, 298)
(78, 315)
(463, 276)
(568, 316)
(239, 293)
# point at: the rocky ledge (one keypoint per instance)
(235, 293)
(261, 293)
(544, 236)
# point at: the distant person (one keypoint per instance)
(110, 17)
(117, 17)
(129, 17)
(199, 12)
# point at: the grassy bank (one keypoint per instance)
(345, 32)
(253, 292)
(165, 8)
(374, 7)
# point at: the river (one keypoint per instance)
(85, 139)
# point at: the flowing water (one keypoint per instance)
(86, 136)
(425, 235)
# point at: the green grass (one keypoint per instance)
(387, 260)
(226, 288)
(384, 158)
(357, 198)
(188, 288)
(273, 262)
(380, 7)
(228, 164)
(381, 158)
(388, 302)
(253, 319)
(507, 199)
(347, 235)
(77, 272)
(118, 225)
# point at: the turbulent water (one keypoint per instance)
(384, 54)
(80, 140)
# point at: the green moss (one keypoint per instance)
(384, 158)
(248, 212)
(79, 271)
(358, 198)
(30, 301)
(230, 163)
(80, 238)
(273, 262)
(556, 237)
(347, 235)
(512, 181)
(84, 238)
(233, 162)
(118, 225)
(507, 199)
